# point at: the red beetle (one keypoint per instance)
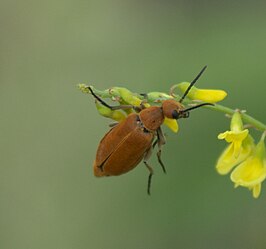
(132, 140)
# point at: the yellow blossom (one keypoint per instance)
(227, 161)
(235, 138)
(252, 172)
(240, 147)
(206, 95)
(236, 135)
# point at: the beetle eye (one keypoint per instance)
(175, 114)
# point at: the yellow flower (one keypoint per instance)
(241, 145)
(227, 161)
(206, 95)
(252, 172)
(236, 135)
(235, 138)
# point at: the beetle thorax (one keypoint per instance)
(152, 118)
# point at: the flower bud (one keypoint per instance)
(158, 96)
(206, 95)
(117, 115)
(126, 96)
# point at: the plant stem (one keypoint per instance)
(246, 118)
(220, 108)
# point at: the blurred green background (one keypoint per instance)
(50, 130)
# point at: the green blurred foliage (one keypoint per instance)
(50, 130)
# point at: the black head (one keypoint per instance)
(180, 114)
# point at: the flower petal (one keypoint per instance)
(256, 190)
(172, 124)
(228, 160)
(249, 173)
(231, 136)
(206, 95)
(236, 138)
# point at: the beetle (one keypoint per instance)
(133, 139)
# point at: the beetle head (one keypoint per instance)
(173, 109)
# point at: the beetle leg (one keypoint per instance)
(145, 159)
(160, 141)
(154, 144)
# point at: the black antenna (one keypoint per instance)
(192, 83)
(195, 107)
(99, 99)
(123, 107)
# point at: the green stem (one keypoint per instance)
(246, 118)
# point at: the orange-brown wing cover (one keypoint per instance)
(122, 148)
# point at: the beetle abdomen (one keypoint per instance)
(122, 148)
